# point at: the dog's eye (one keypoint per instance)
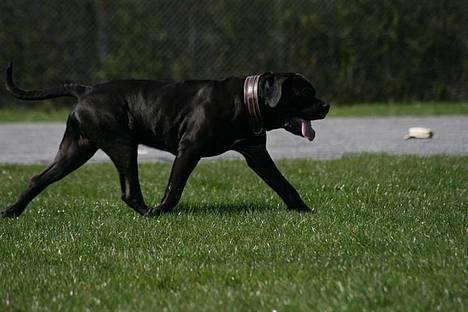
(307, 92)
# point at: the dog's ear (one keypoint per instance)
(272, 86)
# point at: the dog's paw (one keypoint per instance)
(153, 212)
(10, 212)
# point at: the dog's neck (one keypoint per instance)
(252, 102)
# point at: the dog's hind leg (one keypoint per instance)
(74, 151)
(123, 154)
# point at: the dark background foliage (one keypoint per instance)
(353, 50)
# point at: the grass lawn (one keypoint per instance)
(37, 113)
(49, 113)
(390, 233)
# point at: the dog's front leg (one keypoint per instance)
(183, 165)
(259, 160)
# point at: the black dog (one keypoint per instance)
(190, 119)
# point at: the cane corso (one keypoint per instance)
(190, 119)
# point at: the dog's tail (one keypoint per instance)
(69, 89)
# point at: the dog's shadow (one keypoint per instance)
(223, 208)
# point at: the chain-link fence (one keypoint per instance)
(360, 50)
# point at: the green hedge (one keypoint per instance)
(354, 51)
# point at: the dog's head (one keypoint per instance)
(290, 102)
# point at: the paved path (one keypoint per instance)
(38, 142)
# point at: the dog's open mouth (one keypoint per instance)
(300, 127)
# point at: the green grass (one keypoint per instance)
(34, 114)
(391, 233)
(49, 113)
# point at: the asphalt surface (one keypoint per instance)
(25, 143)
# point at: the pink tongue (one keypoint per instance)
(307, 131)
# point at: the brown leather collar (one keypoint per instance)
(251, 100)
